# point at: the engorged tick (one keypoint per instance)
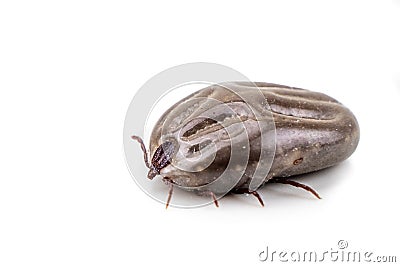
(312, 131)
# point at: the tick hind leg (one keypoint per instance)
(247, 191)
(295, 184)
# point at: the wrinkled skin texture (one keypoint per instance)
(313, 132)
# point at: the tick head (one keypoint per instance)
(161, 158)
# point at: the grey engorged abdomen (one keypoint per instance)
(313, 132)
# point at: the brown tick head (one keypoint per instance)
(161, 158)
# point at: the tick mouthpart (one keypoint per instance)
(153, 172)
(161, 158)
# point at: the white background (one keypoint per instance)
(68, 71)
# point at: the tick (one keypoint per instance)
(312, 131)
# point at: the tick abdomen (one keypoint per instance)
(313, 131)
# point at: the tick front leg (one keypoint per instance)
(168, 182)
(143, 147)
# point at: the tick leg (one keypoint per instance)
(140, 140)
(171, 189)
(257, 195)
(211, 194)
(296, 184)
(214, 199)
(254, 193)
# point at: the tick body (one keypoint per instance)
(194, 142)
